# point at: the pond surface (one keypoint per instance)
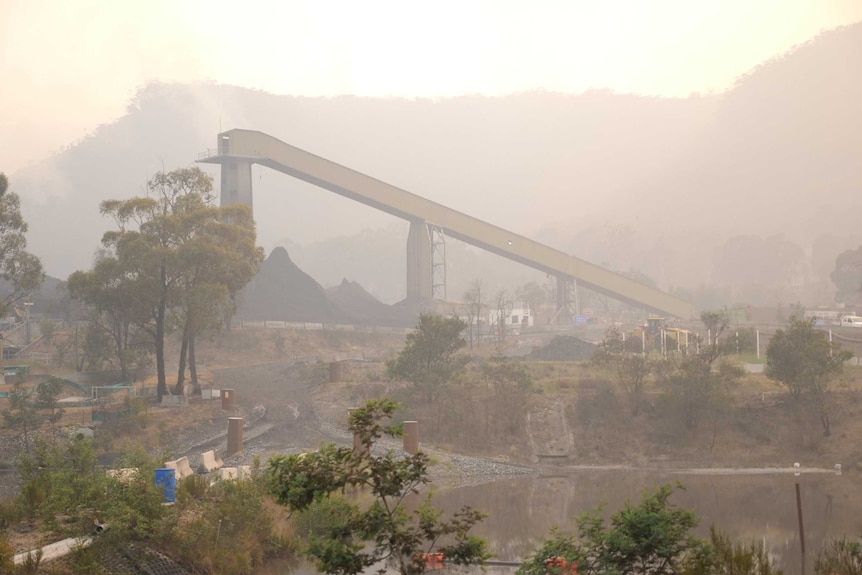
(747, 504)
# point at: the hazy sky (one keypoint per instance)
(67, 66)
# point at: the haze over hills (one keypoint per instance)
(658, 185)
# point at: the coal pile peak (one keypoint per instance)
(366, 309)
(282, 292)
(565, 348)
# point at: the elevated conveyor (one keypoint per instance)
(238, 149)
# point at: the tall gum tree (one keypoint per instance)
(172, 250)
(20, 269)
(220, 258)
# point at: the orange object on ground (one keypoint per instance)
(432, 560)
(561, 563)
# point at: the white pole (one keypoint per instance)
(643, 340)
(758, 344)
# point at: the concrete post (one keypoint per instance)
(411, 437)
(234, 435)
(334, 371)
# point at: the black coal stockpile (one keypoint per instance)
(565, 348)
(364, 308)
(282, 292)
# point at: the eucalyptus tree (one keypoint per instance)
(220, 258)
(431, 358)
(18, 267)
(802, 359)
(112, 312)
(174, 257)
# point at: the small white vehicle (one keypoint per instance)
(851, 321)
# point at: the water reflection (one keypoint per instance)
(749, 506)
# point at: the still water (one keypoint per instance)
(747, 504)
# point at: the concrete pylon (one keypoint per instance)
(234, 435)
(236, 183)
(419, 261)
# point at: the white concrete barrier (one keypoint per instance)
(124, 474)
(181, 467)
(226, 473)
(210, 461)
(242, 473)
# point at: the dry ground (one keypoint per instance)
(576, 413)
(573, 413)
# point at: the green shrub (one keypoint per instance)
(321, 516)
(11, 511)
(61, 481)
(842, 556)
(134, 510)
(653, 537)
(229, 531)
(31, 564)
(597, 404)
(7, 554)
(193, 487)
(728, 558)
(84, 560)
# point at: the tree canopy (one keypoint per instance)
(18, 267)
(366, 535)
(630, 369)
(653, 537)
(847, 275)
(430, 356)
(174, 261)
(805, 361)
